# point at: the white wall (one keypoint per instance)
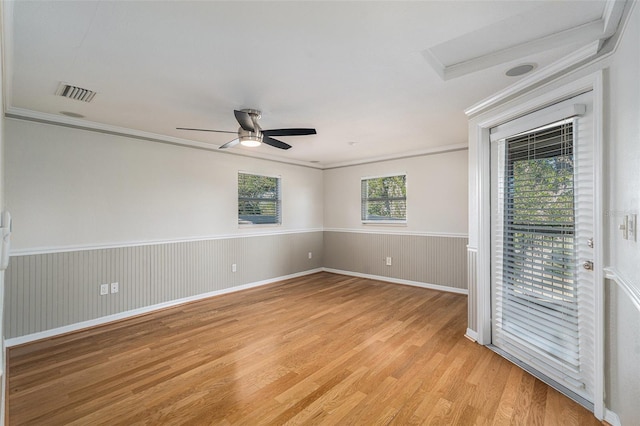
(436, 194)
(70, 188)
(622, 80)
(622, 189)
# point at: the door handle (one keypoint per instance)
(588, 265)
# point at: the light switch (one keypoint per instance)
(624, 227)
(632, 226)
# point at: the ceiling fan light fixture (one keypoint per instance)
(250, 141)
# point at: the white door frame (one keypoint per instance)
(594, 83)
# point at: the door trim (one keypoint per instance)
(480, 165)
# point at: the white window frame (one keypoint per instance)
(279, 199)
(400, 222)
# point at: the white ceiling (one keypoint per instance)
(376, 79)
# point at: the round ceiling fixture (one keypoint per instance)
(519, 70)
(72, 114)
(251, 141)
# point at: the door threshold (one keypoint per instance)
(543, 378)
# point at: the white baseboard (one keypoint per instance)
(471, 335)
(611, 418)
(147, 309)
(399, 281)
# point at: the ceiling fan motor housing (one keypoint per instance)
(248, 137)
(254, 113)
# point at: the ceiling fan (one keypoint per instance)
(251, 134)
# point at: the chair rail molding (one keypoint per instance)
(611, 273)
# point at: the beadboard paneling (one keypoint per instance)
(46, 291)
(437, 260)
(472, 274)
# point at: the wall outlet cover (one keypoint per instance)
(104, 289)
(114, 287)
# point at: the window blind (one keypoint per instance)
(258, 199)
(541, 310)
(384, 198)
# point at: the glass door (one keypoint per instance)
(542, 225)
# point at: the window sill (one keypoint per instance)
(385, 222)
(258, 225)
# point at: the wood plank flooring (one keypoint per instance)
(322, 349)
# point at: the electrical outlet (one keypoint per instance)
(104, 289)
(310, 255)
(234, 267)
(114, 287)
(388, 261)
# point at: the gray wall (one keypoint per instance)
(51, 290)
(420, 258)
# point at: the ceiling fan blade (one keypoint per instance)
(230, 144)
(275, 142)
(245, 120)
(289, 132)
(205, 130)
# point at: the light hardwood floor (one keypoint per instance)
(322, 349)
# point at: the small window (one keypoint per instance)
(258, 199)
(384, 199)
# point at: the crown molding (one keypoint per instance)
(6, 11)
(613, 11)
(92, 126)
(542, 75)
(614, 21)
(588, 31)
(399, 156)
(598, 31)
(59, 120)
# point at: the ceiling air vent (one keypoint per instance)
(75, 92)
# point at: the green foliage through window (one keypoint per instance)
(384, 198)
(258, 199)
(539, 216)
